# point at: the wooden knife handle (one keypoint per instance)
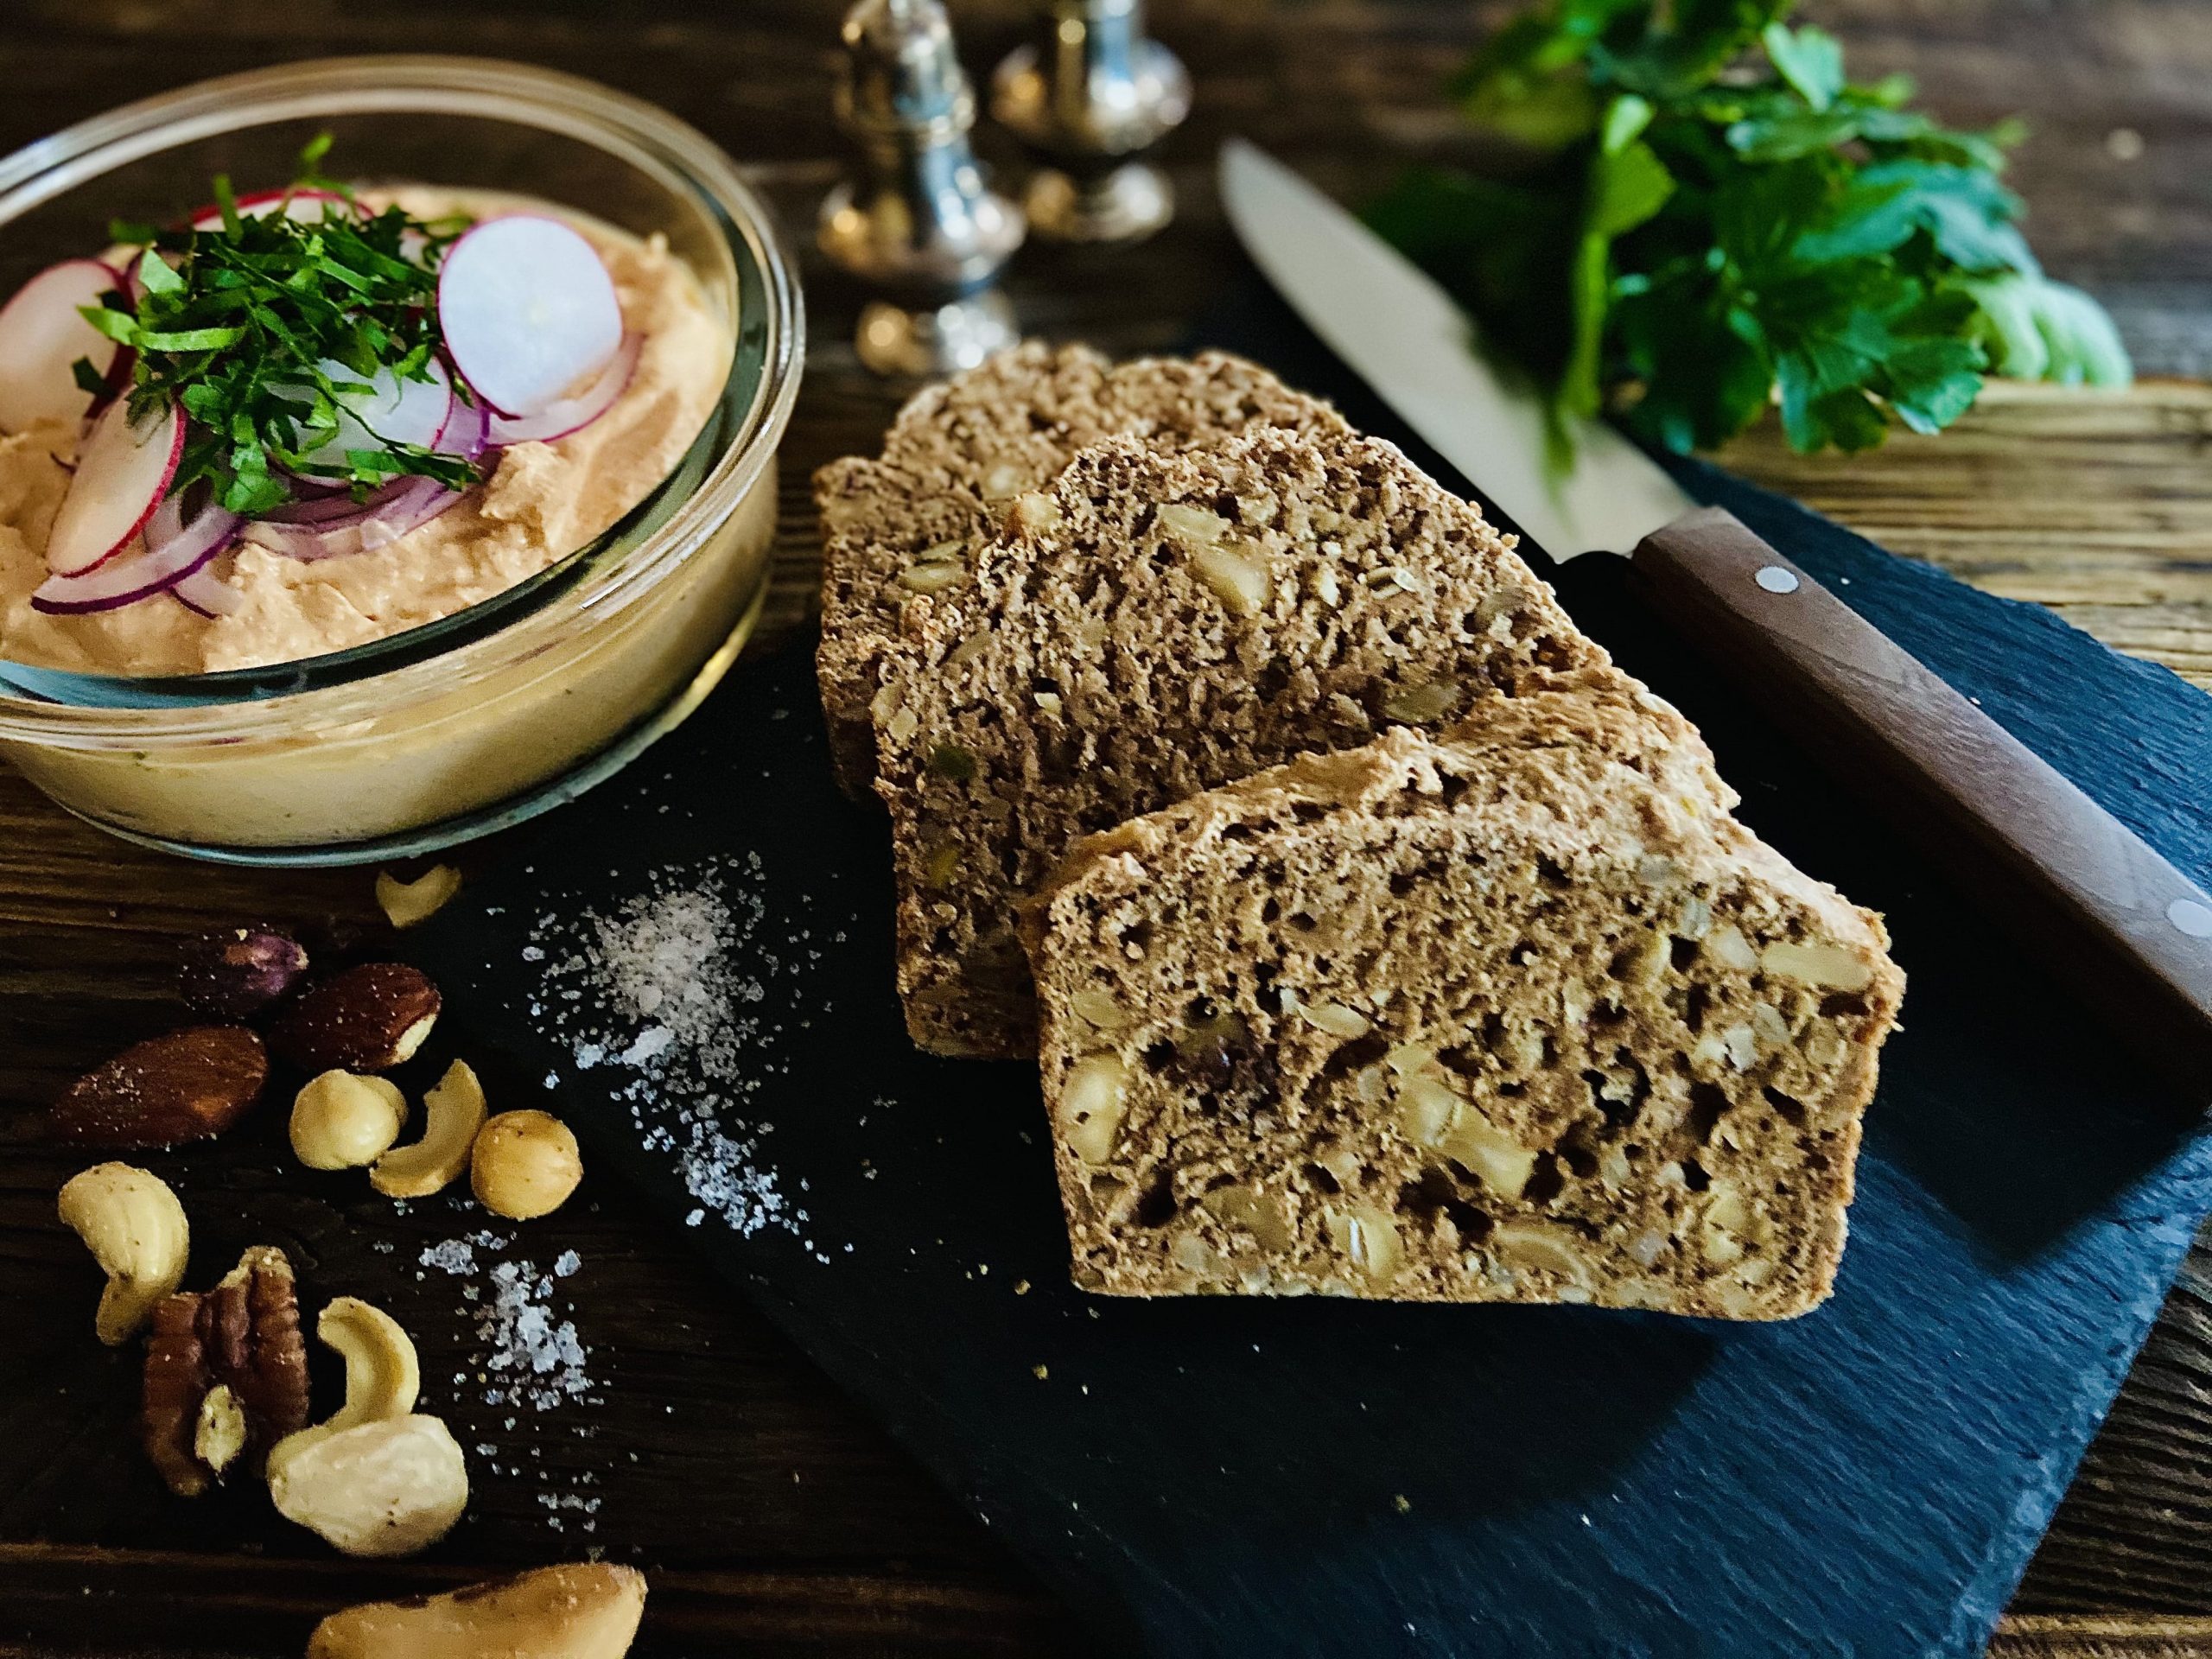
(2129, 933)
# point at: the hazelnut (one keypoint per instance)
(1367, 1235)
(526, 1164)
(237, 971)
(1831, 967)
(1194, 526)
(1731, 950)
(1335, 1019)
(342, 1121)
(1237, 578)
(931, 578)
(1036, 513)
(1539, 1247)
(1090, 1106)
(1258, 1213)
(1423, 704)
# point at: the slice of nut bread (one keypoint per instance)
(906, 524)
(1518, 1014)
(1155, 625)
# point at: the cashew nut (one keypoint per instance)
(377, 1479)
(586, 1610)
(453, 1112)
(135, 1229)
(407, 903)
(342, 1121)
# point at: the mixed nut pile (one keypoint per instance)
(226, 1386)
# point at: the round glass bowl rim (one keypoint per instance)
(584, 588)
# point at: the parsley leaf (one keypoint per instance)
(1707, 216)
(265, 328)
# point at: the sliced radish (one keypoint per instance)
(43, 333)
(123, 471)
(528, 310)
(566, 415)
(203, 591)
(406, 507)
(172, 550)
(387, 409)
(306, 206)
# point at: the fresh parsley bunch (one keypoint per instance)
(237, 325)
(1714, 217)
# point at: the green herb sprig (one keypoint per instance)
(1712, 217)
(238, 326)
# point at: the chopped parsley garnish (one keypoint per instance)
(1710, 217)
(256, 327)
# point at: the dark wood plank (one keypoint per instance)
(775, 1516)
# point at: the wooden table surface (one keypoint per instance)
(776, 1518)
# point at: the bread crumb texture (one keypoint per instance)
(1153, 625)
(1514, 1011)
(909, 523)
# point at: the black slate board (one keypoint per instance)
(1326, 1477)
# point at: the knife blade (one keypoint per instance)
(2097, 905)
(1422, 355)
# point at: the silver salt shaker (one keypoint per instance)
(1086, 98)
(916, 222)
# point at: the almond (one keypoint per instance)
(186, 1086)
(367, 1019)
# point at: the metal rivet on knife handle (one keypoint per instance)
(2095, 904)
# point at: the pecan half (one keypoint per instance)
(227, 1374)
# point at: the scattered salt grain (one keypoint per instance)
(672, 988)
(525, 1355)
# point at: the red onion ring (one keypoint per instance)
(204, 593)
(172, 551)
(405, 507)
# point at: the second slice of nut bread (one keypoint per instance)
(1517, 1015)
(909, 523)
(1152, 626)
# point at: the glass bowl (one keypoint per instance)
(486, 717)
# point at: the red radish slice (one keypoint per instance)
(123, 471)
(387, 409)
(41, 334)
(408, 507)
(204, 592)
(566, 415)
(307, 206)
(172, 549)
(528, 310)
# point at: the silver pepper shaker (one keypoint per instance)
(1087, 97)
(916, 222)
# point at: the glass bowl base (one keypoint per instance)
(488, 820)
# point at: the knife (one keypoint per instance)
(2129, 933)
